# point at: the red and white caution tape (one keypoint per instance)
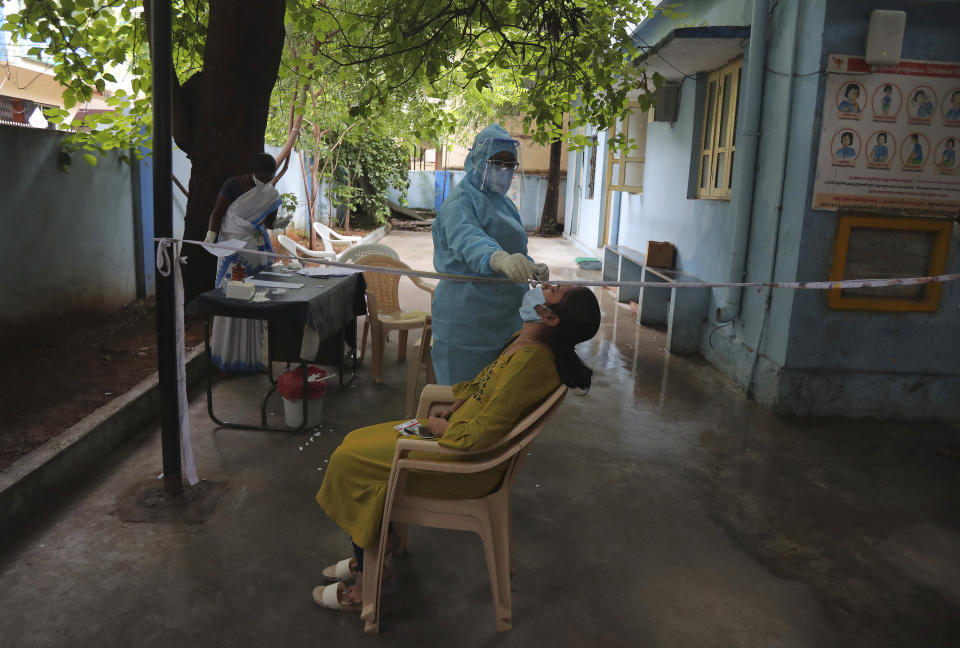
(410, 272)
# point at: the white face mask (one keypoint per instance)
(533, 298)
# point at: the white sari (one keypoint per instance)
(236, 345)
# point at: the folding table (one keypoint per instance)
(328, 305)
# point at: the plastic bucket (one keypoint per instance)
(290, 386)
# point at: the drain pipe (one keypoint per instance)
(775, 243)
(741, 193)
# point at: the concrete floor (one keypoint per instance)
(661, 509)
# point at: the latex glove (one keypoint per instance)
(516, 266)
(211, 237)
(541, 272)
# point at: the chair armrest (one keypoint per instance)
(423, 285)
(402, 461)
(320, 254)
(424, 445)
(434, 395)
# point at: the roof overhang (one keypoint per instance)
(688, 50)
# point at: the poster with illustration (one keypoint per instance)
(914, 152)
(890, 137)
(850, 100)
(880, 149)
(920, 108)
(945, 156)
(887, 100)
(951, 107)
(846, 147)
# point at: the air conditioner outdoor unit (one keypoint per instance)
(666, 105)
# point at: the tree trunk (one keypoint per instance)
(551, 203)
(225, 112)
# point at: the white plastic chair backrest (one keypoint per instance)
(288, 244)
(358, 251)
(531, 424)
(320, 229)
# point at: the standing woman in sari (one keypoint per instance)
(246, 207)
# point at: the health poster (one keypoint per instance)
(890, 138)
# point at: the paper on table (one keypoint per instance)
(274, 284)
(274, 274)
(234, 244)
(328, 272)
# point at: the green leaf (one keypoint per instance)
(90, 158)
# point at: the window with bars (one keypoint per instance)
(625, 167)
(719, 132)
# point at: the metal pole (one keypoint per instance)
(163, 226)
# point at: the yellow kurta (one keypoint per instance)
(355, 485)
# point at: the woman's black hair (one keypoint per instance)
(263, 163)
(851, 86)
(579, 315)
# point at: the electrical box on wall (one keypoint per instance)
(885, 37)
(667, 103)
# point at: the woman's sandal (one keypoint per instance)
(329, 597)
(340, 571)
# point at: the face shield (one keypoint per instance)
(499, 165)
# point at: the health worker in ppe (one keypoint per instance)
(478, 232)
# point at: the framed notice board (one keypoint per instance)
(872, 247)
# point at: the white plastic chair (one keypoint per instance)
(359, 251)
(294, 248)
(329, 237)
(384, 312)
(487, 516)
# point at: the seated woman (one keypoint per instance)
(534, 363)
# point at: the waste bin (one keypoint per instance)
(290, 386)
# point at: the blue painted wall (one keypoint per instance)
(69, 236)
(801, 357)
(875, 362)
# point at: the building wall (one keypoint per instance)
(753, 349)
(589, 220)
(869, 362)
(798, 357)
(702, 229)
(663, 211)
(74, 232)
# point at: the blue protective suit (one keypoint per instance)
(472, 321)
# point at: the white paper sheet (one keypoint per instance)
(328, 272)
(263, 283)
